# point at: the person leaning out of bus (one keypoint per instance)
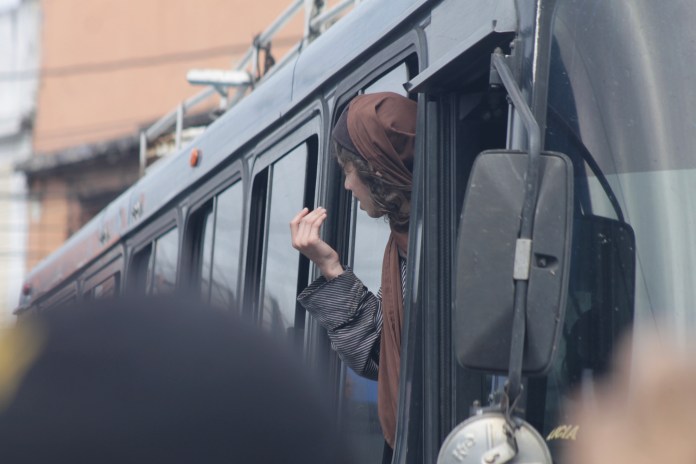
(374, 139)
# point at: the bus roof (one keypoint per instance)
(274, 97)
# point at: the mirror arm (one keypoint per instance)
(523, 253)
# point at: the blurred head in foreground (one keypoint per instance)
(156, 381)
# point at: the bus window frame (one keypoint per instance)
(409, 48)
(300, 130)
(444, 394)
(197, 204)
(112, 263)
(153, 262)
(146, 237)
(60, 297)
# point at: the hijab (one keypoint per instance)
(381, 127)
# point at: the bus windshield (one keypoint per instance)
(622, 107)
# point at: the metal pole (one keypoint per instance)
(526, 223)
(179, 125)
(281, 21)
(143, 152)
(327, 16)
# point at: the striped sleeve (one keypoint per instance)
(352, 316)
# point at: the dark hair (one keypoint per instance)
(391, 201)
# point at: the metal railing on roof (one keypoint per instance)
(317, 19)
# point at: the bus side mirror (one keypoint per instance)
(489, 226)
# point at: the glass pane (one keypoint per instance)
(166, 254)
(359, 416)
(206, 255)
(359, 419)
(393, 81)
(139, 271)
(107, 288)
(228, 236)
(632, 252)
(280, 280)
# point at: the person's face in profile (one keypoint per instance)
(360, 190)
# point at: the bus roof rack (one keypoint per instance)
(318, 18)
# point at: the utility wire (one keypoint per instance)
(76, 131)
(43, 230)
(103, 126)
(131, 63)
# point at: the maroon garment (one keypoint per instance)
(382, 128)
(390, 342)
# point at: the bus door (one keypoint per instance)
(465, 116)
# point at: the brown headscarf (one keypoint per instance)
(381, 127)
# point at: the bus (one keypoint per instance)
(574, 116)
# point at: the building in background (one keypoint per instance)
(109, 69)
(19, 58)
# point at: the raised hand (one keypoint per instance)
(304, 230)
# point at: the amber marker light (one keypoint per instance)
(195, 157)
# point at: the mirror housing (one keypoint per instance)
(488, 232)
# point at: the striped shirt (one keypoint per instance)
(352, 317)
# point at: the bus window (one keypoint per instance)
(138, 272)
(359, 418)
(359, 415)
(227, 249)
(164, 263)
(65, 297)
(393, 81)
(107, 288)
(281, 262)
(220, 247)
(206, 256)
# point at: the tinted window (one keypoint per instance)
(359, 418)
(138, 273)
(286, 185)
(478, 119)
(359, 411)
(207, 254)
(624, 116)
(166, 254)
(107, 288)
(227, 250)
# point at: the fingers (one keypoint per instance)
(308, 230)
(304, 227)
(314, 226)
(295, 223)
